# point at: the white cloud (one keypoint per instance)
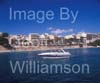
(69, 30)
(59, 31)
(50, 28)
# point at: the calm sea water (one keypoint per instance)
(90, 56)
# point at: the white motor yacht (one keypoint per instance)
(56, 54)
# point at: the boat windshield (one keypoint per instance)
(59, 50)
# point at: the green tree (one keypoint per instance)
(5, 34)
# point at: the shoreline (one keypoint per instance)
(43, 49)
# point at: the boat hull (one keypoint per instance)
(55, 54)
(55, 57)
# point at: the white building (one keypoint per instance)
(69, 36)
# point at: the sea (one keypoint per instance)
(73, 66)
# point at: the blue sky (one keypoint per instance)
(88, 19)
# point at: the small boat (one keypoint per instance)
(57, 54)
